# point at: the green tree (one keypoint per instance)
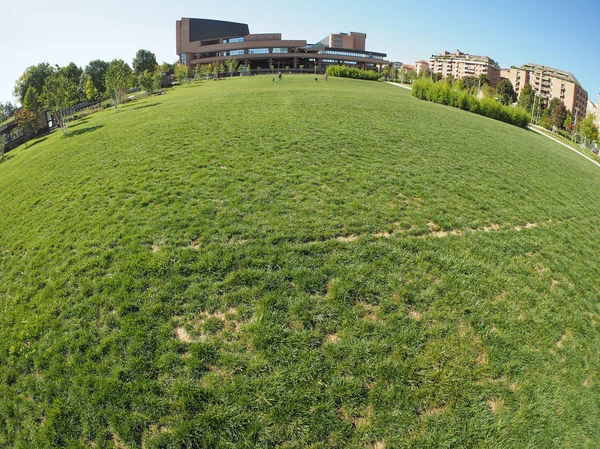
(118, 80)
(232, 65)
(506, 92)
(559, 115)
(34, 76)
(91, 92)
(144, 61)
(182, 73)
(150, 82)
(484, 80)
(6, 111)
(588, 129)
(27, 121)
(30, 102)
(60, 94)
(526, 97)
(97, 70)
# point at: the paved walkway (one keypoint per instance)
(564, 145)
(399, 85)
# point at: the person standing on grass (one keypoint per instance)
(280, 77)
(326, 76)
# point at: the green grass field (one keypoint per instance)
(243, 264)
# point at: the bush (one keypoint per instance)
(441, 92)
(342, 71)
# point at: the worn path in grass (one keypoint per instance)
(253, 264)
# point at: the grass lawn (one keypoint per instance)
(254, 264)
(570, 143)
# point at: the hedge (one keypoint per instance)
(441, 92)
(350, 72)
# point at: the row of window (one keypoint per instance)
(233, 39)
(335, 61)
(348, 53)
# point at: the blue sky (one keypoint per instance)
(563, 35)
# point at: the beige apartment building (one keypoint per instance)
(421, 66)
(460, 64)
(550, 83)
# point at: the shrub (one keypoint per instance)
(443, 93)
(342, 71)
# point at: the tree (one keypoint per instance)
(91, 92)
(60, 94)
(436, 77)
(6, 111)
(167, 68)
(526, 97)
(34, 76)
(30, 102)
(182, 73)
(506, 92)
(118, 79)
(150, 82)
(484, 80)
(144, 61)
(27, 121)
(197, 72)
(97, 70)
(588, 129)
(559, 115)
(232, 65)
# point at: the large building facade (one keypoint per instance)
(550, 83)
(460, 64)
(205, 41)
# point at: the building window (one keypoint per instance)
(281, 50)
(183, 58)
(234, 53)
(233, 39)
(258, 51)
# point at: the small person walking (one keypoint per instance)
(326, 76)
(280, 77)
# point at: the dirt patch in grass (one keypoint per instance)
(495, 405)
(332, 338)
(434, 411)
(183, 335)
(414, 314)
(206, 324)
(347, 238)
(560, 343)
(378, 445)
(492, 227)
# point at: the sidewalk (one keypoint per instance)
(399, 85)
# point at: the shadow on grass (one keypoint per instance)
(146, 106)
(78, 132)
(36, 142)
(81, 122)
(6, 158)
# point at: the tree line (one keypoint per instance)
(57, 89)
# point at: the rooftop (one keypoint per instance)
(562, 74)
(465, 57)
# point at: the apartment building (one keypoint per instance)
(550, 83)
(421, 66)
(206, 41)
(460, 64)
